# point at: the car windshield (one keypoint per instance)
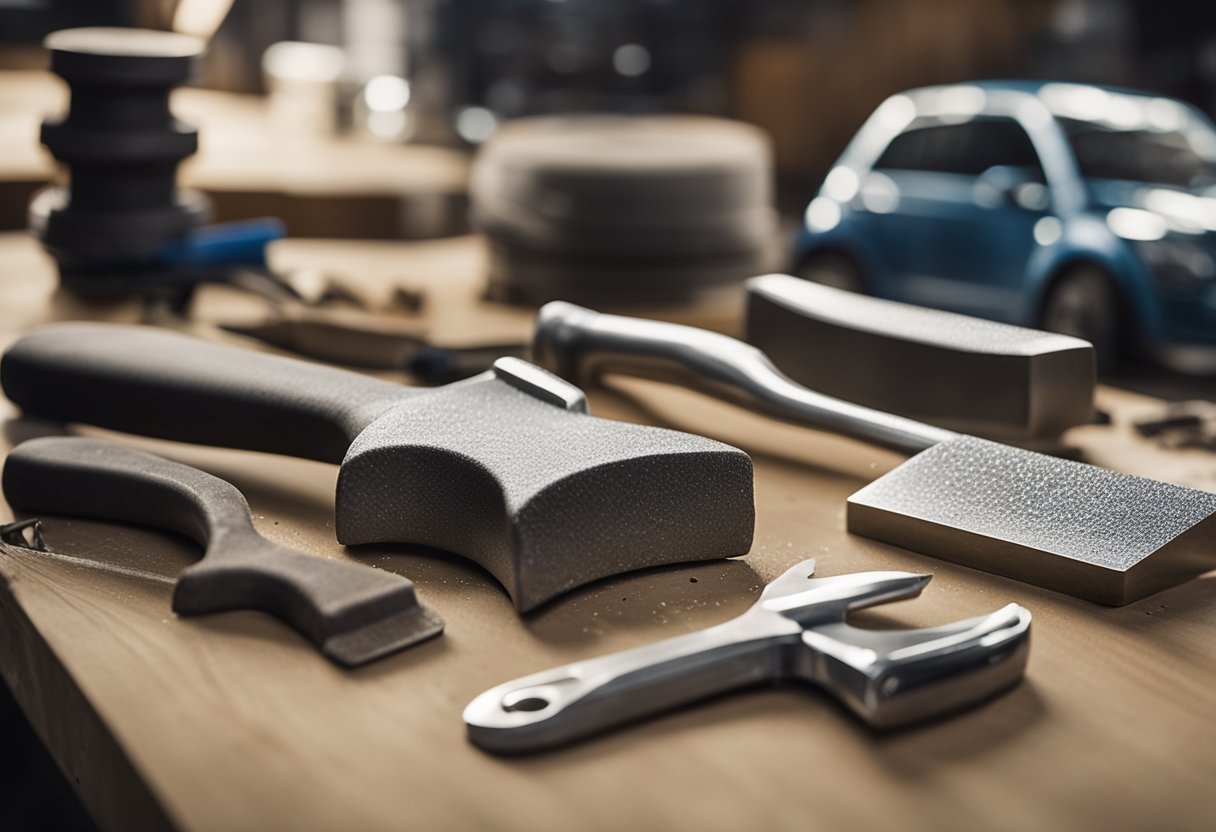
(1160, 157)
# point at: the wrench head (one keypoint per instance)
(800, 596)
(894, 677)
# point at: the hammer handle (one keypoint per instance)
(322, 599)
(154, 383)
(575, 343)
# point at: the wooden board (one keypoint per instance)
(231, 722)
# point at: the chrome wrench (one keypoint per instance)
(796, 631)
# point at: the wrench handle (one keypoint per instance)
(567, 703)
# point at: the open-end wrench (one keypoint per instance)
(797, 630)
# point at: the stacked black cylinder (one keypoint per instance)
(624, 210)
(121, 145)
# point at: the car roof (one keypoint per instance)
(1032, 87)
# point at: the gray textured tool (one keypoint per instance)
(1056, 523)
(796, 631)
(352, 613)
(505, 468)
(955, 371)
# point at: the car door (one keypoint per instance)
(960, 229)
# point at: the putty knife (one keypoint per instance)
(351, 612)
(1059, 524)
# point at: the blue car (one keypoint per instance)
(1074, 208)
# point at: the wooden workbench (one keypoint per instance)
(232, 722)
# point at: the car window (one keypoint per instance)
(969, 148)
(1162, 157)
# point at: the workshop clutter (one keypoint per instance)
(1056, 523)
(589, 497)
(606, 447)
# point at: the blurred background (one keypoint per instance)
(359, 119)
(809, 72)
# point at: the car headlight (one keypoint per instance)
(1179, 263)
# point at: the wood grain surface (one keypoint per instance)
(232, 722)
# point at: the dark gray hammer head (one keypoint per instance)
(548, 497)
(506, 468)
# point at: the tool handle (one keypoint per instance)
(556, 706)
(154, 383)
(327, 601)
(575, 342)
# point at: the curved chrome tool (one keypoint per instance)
(797, 630)
(578, 343)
